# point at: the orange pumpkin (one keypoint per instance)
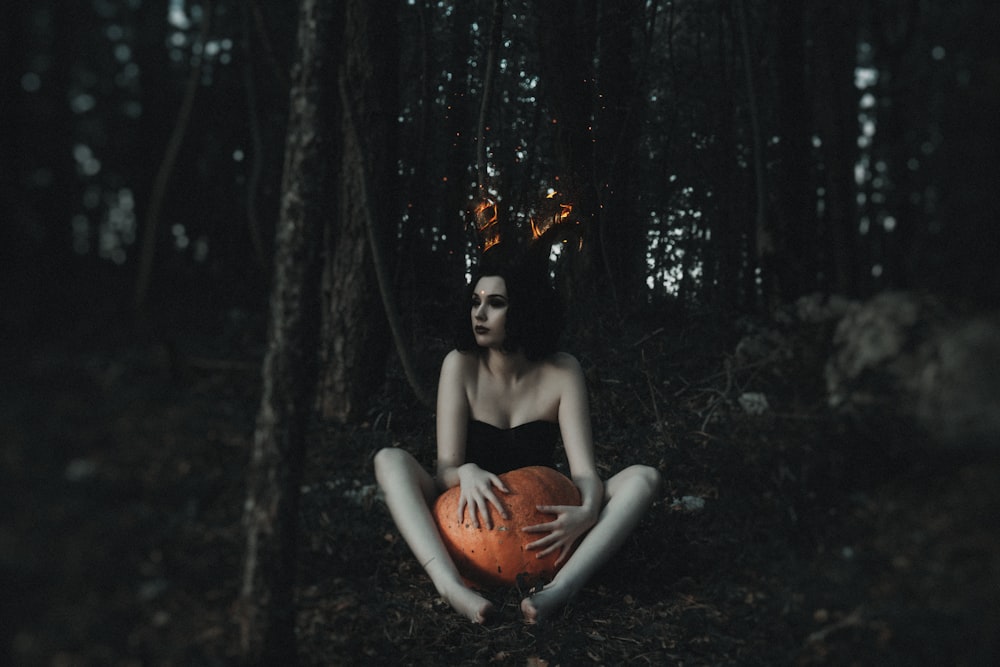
(498, 556)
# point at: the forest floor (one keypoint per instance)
(781, 538)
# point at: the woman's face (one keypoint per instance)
(489, 311)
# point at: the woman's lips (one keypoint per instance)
(482, 330)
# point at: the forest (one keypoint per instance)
(235, 236)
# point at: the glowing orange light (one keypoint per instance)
(486, 223)
(552, 214)
(548, 220)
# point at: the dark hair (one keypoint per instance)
(535, 314)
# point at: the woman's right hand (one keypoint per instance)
(477, 489)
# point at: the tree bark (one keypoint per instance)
(266, 609)
(763, 228)
(355, 339)
(795, 208)
(496, 33)
(18, 277)
(354, 155)
(622, 232)
(731, 187)
(567, 76)
(835, 105)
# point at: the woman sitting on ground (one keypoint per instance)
(504, 395)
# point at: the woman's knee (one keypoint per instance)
(391, 461)
(647, 478)
(638, 481)
(398, 471)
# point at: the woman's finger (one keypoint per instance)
(562, 556)
(541, 527)
(470, 507)
(497, 482)
(501, 510)
(549, 549)
(542, 542)
(484, 511)
(551, 509)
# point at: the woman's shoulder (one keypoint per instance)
(564, 361)
(562, 376)
(458, 361)
(458, 372)
(562, 364)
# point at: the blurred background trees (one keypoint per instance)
(203, 168)
(724, 155)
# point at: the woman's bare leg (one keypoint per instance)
(409, 492)
(627, 495)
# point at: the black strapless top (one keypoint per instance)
(499, 450)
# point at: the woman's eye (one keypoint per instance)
(498, 303)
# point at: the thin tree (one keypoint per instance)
(161, 183)
(354, 156)
(496, 34)
(567, 91)
(621, 230)
(792, 184)
(764, 235)
(266, 610)
(834, 103)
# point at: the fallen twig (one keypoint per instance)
(851, 620)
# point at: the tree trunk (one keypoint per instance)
(18, 279)
(567, 74)
(489, 82)
(158, 192)
(622, 231)
(355, 339)
(835, 103)
(266, 611)
(727, 209)
(902, 102)
(794, 202)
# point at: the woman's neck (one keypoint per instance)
(508, 366)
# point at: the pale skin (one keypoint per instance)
(506, 389)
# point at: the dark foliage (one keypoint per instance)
(124, 480)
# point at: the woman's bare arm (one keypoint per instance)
(452, 419)
(571, 522)
(478, 486)
(578, 439)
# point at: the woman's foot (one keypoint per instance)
(467, 602)
(540, 606)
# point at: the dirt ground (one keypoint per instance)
(781, 538)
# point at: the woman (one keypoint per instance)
(503, 396)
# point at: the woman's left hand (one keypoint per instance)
(571, 522)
